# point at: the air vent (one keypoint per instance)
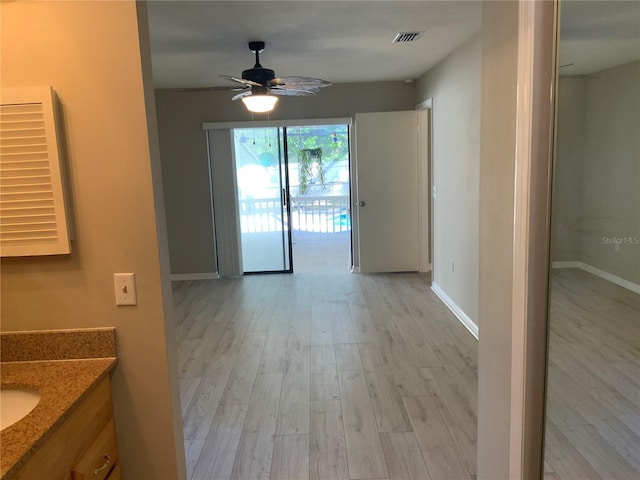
(404, 37)
(33, 220)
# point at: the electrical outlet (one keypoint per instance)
(125, 288)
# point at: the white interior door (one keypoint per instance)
(387, 191)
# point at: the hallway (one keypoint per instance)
(324, 376)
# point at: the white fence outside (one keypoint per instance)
(322, 214)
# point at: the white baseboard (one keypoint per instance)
(566, 264)
(456, 310)
(177, 277)
(634, 287)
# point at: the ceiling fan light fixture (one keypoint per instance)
(260, 103)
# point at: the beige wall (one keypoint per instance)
(497, 170)
(568, 168)
(611, 176)
(597, 171)
(454, 86)
(90, 52)
(184, 152)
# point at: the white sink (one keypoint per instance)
(15, 404)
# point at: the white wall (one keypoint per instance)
(597, 171)
(184, 151)
(454, 86)
(90, 52)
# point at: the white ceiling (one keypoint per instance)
(193, 42)
(596, 35)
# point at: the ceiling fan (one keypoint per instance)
(258, 85)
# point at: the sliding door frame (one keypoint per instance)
(282, 126)
(285, 204)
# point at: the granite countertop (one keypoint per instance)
(61, 383)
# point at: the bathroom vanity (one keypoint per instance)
(70, 433)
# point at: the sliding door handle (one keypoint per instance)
(361, 203)
(284, 197)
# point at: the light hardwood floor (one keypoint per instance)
(339, 376)
(324, 376)
(593, 406)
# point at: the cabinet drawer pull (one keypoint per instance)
(107, 459)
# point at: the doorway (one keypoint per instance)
(320, 197)
(292, 198)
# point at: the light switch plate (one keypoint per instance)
(125, 288)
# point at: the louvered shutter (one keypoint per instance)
(33, 217)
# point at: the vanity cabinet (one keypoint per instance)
(99, 460)
(82, 447)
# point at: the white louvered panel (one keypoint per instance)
(32, 208)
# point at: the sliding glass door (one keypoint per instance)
(278, 192)
(263, 199)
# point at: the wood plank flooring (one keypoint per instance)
(593, 404)
(338, 377)
(327, 376)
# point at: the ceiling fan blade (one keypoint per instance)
(240, 95)
(241, 80)
(214, 89)
(297, 82)
(292, 92)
